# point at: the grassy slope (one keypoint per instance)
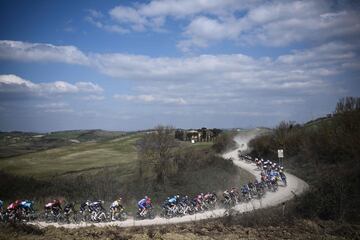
(76, 158)
(86, 135)
(73, 158)
(19, 143)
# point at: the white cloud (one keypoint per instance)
(287, 101)
(23, 51)
(129, 18)
(14, 84)
(96, 18)
(327, 53)
(93, 98)
(128, 15)
(298, 70)
(146, 98)
(153, 15)
(58, 87)
(310, 66)
(203, 31)
(275, 24)
(55, 107)
(208, 79)
(269, 23)
(88, 87)
(244, 113)
(184, 8)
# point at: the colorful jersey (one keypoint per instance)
(116, 204)
(142, 203)
(53, 204)
(172, 200)
(13, 206)
(26, 204)
(95, 206)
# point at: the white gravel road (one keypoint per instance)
(295, 187)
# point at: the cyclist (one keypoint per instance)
(69, 208)
(26, 206)
(116, 207)
(96, 208)
(12, 210)
(227, 196)
(172, 202)
(85, 206)
(14, 206)
(54, 206)
(144, 204)
(245, 191)
(234, 194)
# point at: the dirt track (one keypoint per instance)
(295, 187)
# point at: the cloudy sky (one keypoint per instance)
(126, 65)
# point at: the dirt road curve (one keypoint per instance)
(295, 186)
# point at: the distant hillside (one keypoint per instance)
(17, 143)
(87, 135)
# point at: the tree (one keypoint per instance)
(347, 104)
(223, 142)
(156, 148)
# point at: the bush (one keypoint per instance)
(224, 142)
(326, 154)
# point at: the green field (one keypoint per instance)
(80, 157)
(74, 158)
(198, 145)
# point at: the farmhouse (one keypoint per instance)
(199, 135)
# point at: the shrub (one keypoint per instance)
(325, 153)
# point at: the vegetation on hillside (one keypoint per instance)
(326, 154)
(224, 142)
(131, 165)
(167, 166)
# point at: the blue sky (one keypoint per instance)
(127, 65)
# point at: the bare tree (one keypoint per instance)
(156, 149)
(347, 104)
